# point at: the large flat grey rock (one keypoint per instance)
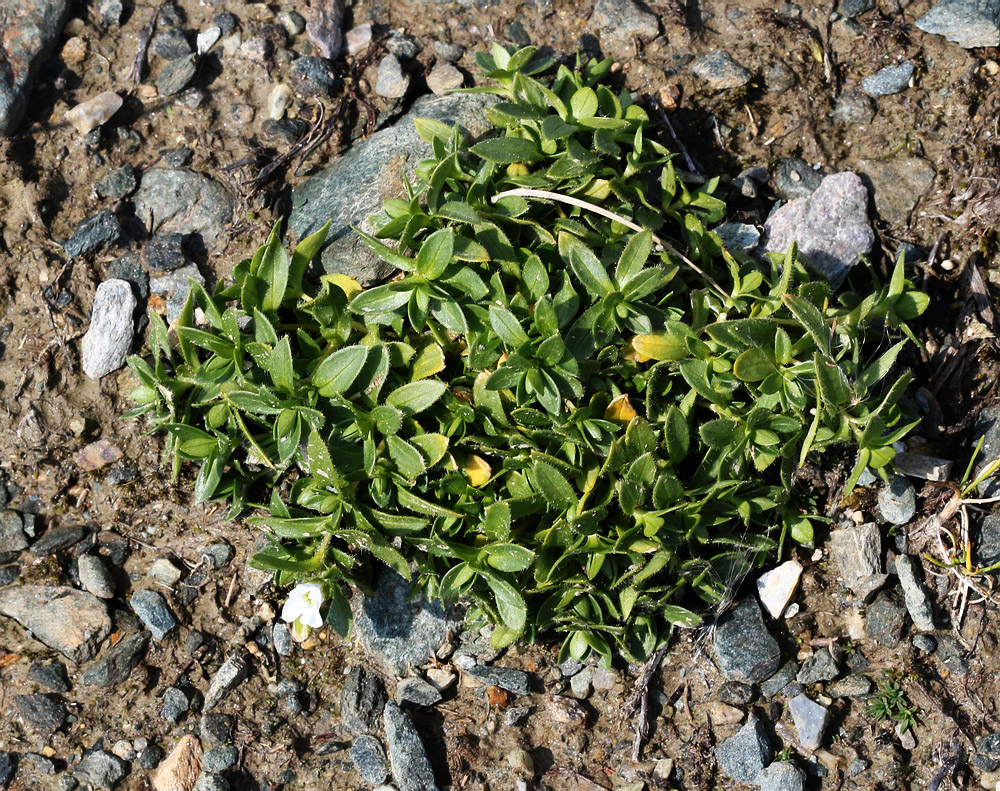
(353, 188)
(71, 621)
(182, 201)
(745, 649)
(969, 23)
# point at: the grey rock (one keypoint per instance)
(164, 252)
(12, 537)
(9, 574)
(745, 649)
(402, 45)
(117, 665)
(92, 234)
(810, 720)
(230, 675)
(448, 52)
(175, 704)
(831, 226)
(795, 178)
(952, 654)
(397, 631)
(411, 768)
(176, 75)
(779, 77)
(618, 22)
(854, 686)
(101, 769)
(177, 157)
(109, 337)
(780, 680)
(51, 675)
(417, 690)
(391, 82)
(781, 776)
(165, 573)
(110, 12)
(31, 30)
(925, 643)
(969, 23)
(444, 78)
(743, 756)
(853, 8)
(988, 428)
(117, 184)
(95, 577)
(171, 44)
(292, 22)
(515, 681)
(516, 716)
(226, 22)
(853, 107)
(736, 693)
(219, 759)
(897, 185)
(720, 71)
(582, 684)
(219, 554)
(178, 286)
(43, 713)
(890, 80)
(72, 622)
(369, 759)
(857, 553)
(362, 699)
(153, 611)
(354, 186)
(821, 666)
(8, 763)
(738, 236)
(570, 667)
(897, 501)
(919, 465)
(884, 620)
(184, 202)
(57, 539)
(311, 76)
(918, 604)
(210, 782)
(216, 728)
(281, 637)
(150, 757)
(37, 764)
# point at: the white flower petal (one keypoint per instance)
(312, 618)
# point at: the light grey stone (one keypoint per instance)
(897, 501)
(927, 468)
(230, 675)
(781, 776)
(738, 236)
(821, 666)
(369, 759)
(391, 82)
(857, 553)
(416, 690)
(897, 185)
(444, 78)
(890, 80)
(153, 611)
(95, 577)
(810, 720)
(101, 769)
(109, 337)
(71, 621)
(618, 22)
(918, 603)
(185, 202)
(830, 226)
(720, 70)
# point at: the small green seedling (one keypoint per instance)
(891, 704)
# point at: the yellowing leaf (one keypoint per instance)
(348, 285)
(663, 345)
(620, 410)
(476, 469)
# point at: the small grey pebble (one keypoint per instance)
(150, 757)
(219, 759)
(210, 782)
(218, 554)
(226, 22)
(925, 643)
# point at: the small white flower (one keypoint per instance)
(302, 606)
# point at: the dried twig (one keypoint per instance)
(665, 120)
(145, 35)
(640, 701)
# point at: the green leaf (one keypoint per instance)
(273, 272)
(586, 267)
(435, 253)
(507, 150)
(280, 366)
(430, 128)
(833, 385)
(337, 372)
(508, 557)
(678, 616)
(877, 371)
(510, 603)
(811, 319)
(553, 486)
(408, 459)
(305, 251)
(753, 365)
(338, 612)
(433, 446)
(507, 327)
(415, 397)
(318, 461)
(584, 103)
(634, 257)
(206, 340)
(676, 435)
(720, 433)
(380, 299)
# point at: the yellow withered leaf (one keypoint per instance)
(620, 410)
(477, 470)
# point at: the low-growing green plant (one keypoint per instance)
(556, 411)
(890, 702)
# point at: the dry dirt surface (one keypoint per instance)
(930, 154)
